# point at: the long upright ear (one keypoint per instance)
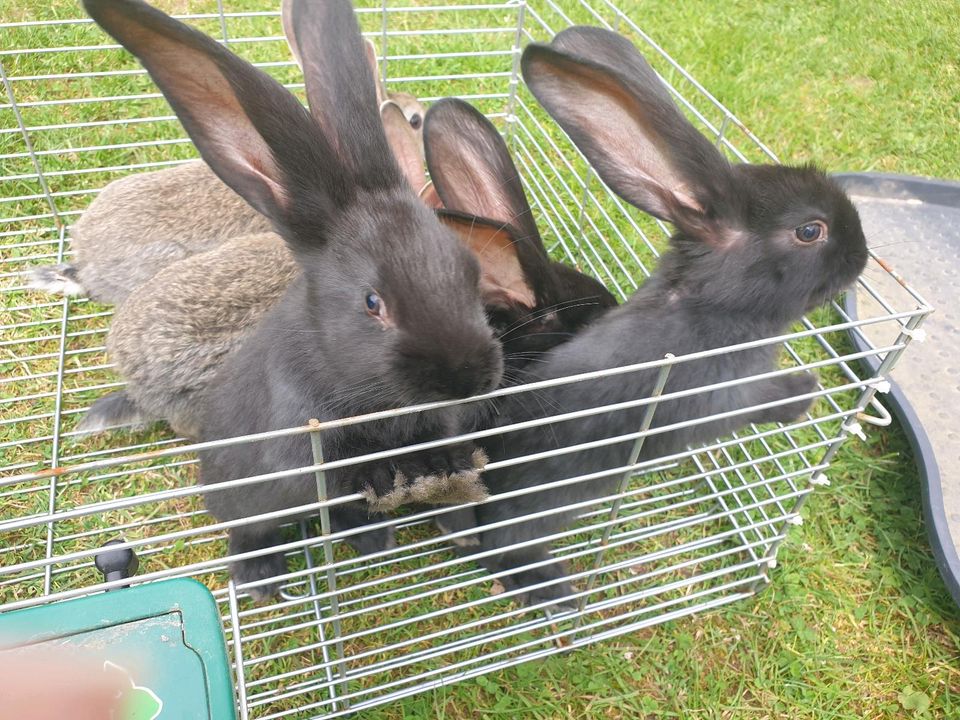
(404, 144)
(286, 19)
(472, 170)
(253, 133)
(341, 88)
(611, 103)
(371, 50)
(503, 283)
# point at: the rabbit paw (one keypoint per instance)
(416, 482)
(448, 460)
(259, 568)
(373, 541)
(557, 594)
(457, 521)
(788, 386)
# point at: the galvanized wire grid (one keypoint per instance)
(682, 534)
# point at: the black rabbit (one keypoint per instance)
(386, 310)
(533, 302)
(755, 247)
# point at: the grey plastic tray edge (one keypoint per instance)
(937, 192)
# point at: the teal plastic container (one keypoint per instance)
(164, 637)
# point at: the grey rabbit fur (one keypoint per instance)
(385, 311)
(754, 248)
(142, 223)
(171, 336)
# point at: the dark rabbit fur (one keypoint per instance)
(755, 247)
(140, 224)
(386, 310)
(533, 302)
(170, 337)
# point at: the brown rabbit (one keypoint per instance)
(142, 223)
(171, 335)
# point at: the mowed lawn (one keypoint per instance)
(857, 622)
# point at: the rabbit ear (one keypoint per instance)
(471, 168)
(429, 197)
(286, 19)
(404, 144)
(371, 50)
(503, 282)
(614, 107)
(250, 130)
(341, 89)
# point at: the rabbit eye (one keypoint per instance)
(416, 121)
(811, 232)
(374, 303)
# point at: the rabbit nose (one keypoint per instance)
(463, 383)
(473, 379)
(471, 373)
(450, 369)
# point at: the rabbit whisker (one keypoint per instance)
(896, 242)
(536, 316)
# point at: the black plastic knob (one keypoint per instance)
(116, 564)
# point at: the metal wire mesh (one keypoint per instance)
(681, 534)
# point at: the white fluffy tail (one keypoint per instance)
(59, 279)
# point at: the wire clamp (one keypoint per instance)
(771, 563)
(918, 334)
(881, 385)
(855, 428)
(795, 520)
(820, 480)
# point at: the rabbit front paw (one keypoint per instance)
(783, 388)
(556, 596)
(447, 476)
(259, 568)
(448, 460)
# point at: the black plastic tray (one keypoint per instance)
(914, 225)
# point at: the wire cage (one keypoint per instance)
(680, 535)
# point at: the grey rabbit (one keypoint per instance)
(144, 222)
(170, 337)
(754, 248)
(385, 310)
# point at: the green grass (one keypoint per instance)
(856, 622)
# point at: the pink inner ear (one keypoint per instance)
(501, 277)
(371, 52)
(428, 195)
(502, 280)
(496, 296)
(234, 146)
(404, 144)
(286, 19)
(620, 136)
(474, 188)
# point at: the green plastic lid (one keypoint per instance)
(164, 639)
